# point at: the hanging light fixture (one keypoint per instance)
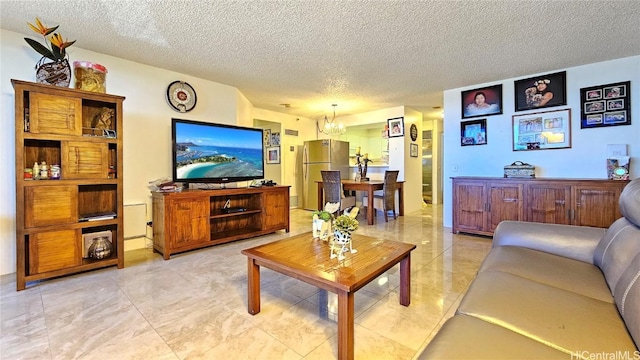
(330, 127)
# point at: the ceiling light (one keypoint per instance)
(330, 127)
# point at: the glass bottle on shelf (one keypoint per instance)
(36, 171)
(44, 170)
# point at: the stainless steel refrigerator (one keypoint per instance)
(321, 155)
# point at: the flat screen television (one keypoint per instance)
(215, 153)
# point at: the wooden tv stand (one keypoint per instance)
(194, 219)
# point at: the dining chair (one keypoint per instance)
(333, 192)
(385, 200)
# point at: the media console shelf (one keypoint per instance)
(194, 219)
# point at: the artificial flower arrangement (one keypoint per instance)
(322, 221)
(322, 215)
(57, 46)
(346, 223)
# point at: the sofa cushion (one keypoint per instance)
(466, 337)
(630, 202)
(617, 248)
(575, 242)
(627, 295)
(573, 275)
(562, 319)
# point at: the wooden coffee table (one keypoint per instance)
(306, 259)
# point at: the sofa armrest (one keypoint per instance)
(575, 242)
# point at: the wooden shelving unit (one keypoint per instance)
(193, 219)
(57, 125)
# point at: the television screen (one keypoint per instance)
(216, 153)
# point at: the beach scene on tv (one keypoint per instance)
(203, 152)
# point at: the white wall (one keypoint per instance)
(147, 122)
(288, 171)
(585, 159)
(412, 165)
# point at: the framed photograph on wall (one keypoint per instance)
(273, 155)
(473, 132)
(541, 91)
(266, 137)
(413, 150)
(275, 139)
(484, 101)
(605, 105)
(396, 126)
(542, 131)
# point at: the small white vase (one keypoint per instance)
(341, 244)
(321, 229)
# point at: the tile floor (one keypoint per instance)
(194, 306)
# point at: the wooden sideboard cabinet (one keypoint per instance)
(193, 219)
(56, 220)
(481, 203)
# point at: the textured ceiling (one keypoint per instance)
(362, 55)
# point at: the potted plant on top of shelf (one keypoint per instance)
(57, 72)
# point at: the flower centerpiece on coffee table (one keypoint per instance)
(322, 221)
(344, 225)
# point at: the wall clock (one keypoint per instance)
(413, 132)
(181, 96)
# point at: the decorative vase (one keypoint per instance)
(321, 229)
(341, 244)
(56, 73)
(100, 248)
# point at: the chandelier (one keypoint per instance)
(330, 127)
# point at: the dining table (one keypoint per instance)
(369, 187)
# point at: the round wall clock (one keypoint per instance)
(413, 132)
(181, 96)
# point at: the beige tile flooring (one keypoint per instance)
(194, 306)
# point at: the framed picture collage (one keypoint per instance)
(600, 106)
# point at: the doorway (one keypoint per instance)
(427, 166)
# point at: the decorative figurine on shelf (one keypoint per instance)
(102, 121)
(344, 225)
(362, 161)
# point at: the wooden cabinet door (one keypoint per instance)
(54, 114)
(548, 203)
(50, 205)
(469, 207)
(505, 203)
(595, 206)
(276, 210)
(85, 160)
(189, 219)
(54, 250)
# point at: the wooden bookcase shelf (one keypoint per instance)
(193, 219)
(82, 133)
